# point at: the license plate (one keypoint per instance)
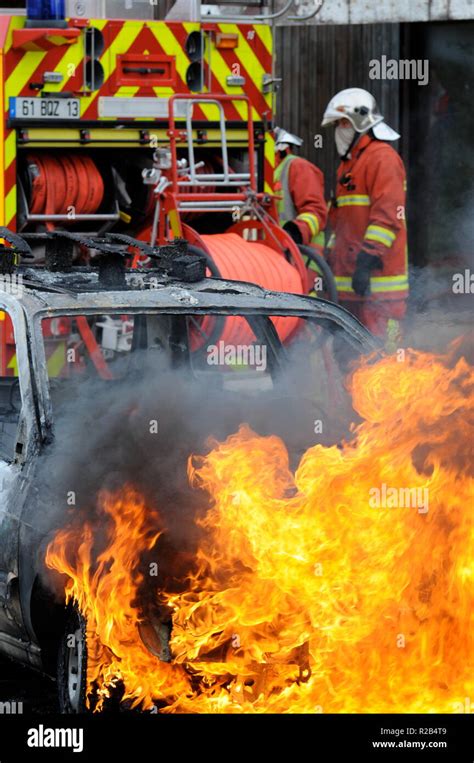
(44, 108)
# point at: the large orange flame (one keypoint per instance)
(344, 587)
(104, 585)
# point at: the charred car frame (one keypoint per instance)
(28, 619)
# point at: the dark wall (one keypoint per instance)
(439, 127)
(436, 121)
(315, 62)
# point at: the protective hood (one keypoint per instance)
(344, 137)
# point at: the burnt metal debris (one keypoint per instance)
(113, 249)
(109, 255)
(9, 254)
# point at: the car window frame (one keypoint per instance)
(333, 322)
(28, 420)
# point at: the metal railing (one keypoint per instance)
(265, 17)
(243, 181)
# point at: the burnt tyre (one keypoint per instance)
(72, 664)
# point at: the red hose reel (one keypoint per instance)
(66, 185)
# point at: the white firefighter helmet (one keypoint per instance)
(362, 111)
(283, 139)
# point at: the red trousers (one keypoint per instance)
(375, 315)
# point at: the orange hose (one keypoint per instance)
(238, 259)
(64, 182)
(241, 260)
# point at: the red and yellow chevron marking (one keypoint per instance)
(8, 362)
(252, 58)
(2, 149)
(22, 67)
(9, 179)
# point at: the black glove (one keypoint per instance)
(365, 263)
(292, 229)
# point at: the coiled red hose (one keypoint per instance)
(64, 183)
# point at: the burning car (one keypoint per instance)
(67, 326)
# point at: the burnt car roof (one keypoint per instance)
(45, 292)
(176, 283)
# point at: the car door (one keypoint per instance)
(18, 444)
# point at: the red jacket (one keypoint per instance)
(369, 215)
(307, 206)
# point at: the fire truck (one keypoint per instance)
(155, 129)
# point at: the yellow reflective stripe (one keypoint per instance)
(3, 161)
(377, 284)
(390, 287)
(379, 238)
(374, 289)
(10, 148)
(356, 200)
(127, 91)
(376, 279)
(175, 223)
(270, 158)
(10, 205)
(57, 360)
(311, 221)
(13, 365)
(265, 33)
(382, 235)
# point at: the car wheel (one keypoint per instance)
(72, 664)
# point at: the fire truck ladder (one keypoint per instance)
(245, 183)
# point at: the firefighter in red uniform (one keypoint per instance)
(368, 248)
(302, 208)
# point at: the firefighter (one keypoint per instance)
(368, 247)
(302, 208)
